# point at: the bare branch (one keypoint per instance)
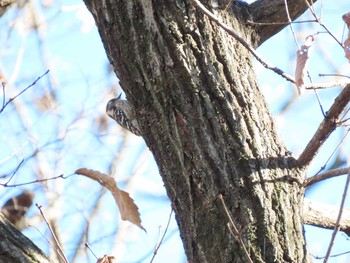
(262, 61)
(13, 174)
(325, 216)
(31, 85)
(234, 231)
(57, 244)
(326, 85)
(278, 23)
(268, 12)
(334, 151)
(290, 23)
(43, 235)
(320, 22)
(161, 240)
(333, 255)
(3, 93)
(232, 33)
(88, 247)
(326, 127)
(13, 153)
(228, 4)
(36, 181)
(337, 224)
(324, 176)
(334, 75)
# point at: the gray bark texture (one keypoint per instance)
(17, 248)
(205, 120)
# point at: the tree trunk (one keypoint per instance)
(15, 247)
(205, 120)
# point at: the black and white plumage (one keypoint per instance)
(123, 113)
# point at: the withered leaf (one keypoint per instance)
(106, 259)
(302, 58)
(128, 209)
(346, 45)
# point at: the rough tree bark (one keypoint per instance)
(15, 247)
(207, 123)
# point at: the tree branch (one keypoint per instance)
(20, 93)
(324, 176)
(325, 216)
(274, 12)
(340, 213)
(326, 127)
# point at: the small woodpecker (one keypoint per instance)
(122, 112)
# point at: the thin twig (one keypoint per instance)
(161, 240)
(36, 181)
(334, 151)
(333, 75)
(13, 174)
(327, 85)
(20, 93)
(13, 153)
(290, 23)
(321, 9)
(343, 119)
(265, 64)
(88, 247)
(319, 21)
(324, 176)
(234, 231)
(252, 23)
(336, 227)
(319, 102)
(228, 4)
(3, 94)
(334, 255)
(59, 248)
(48, 241)
(231, 32)
(336, 148)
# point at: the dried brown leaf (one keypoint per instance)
(302, 58)
(106, 259)
(128, 209)
(346, 18)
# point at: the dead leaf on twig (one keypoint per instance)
(302, 58)
(107, 259)
(128, 209)
(346, 18)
